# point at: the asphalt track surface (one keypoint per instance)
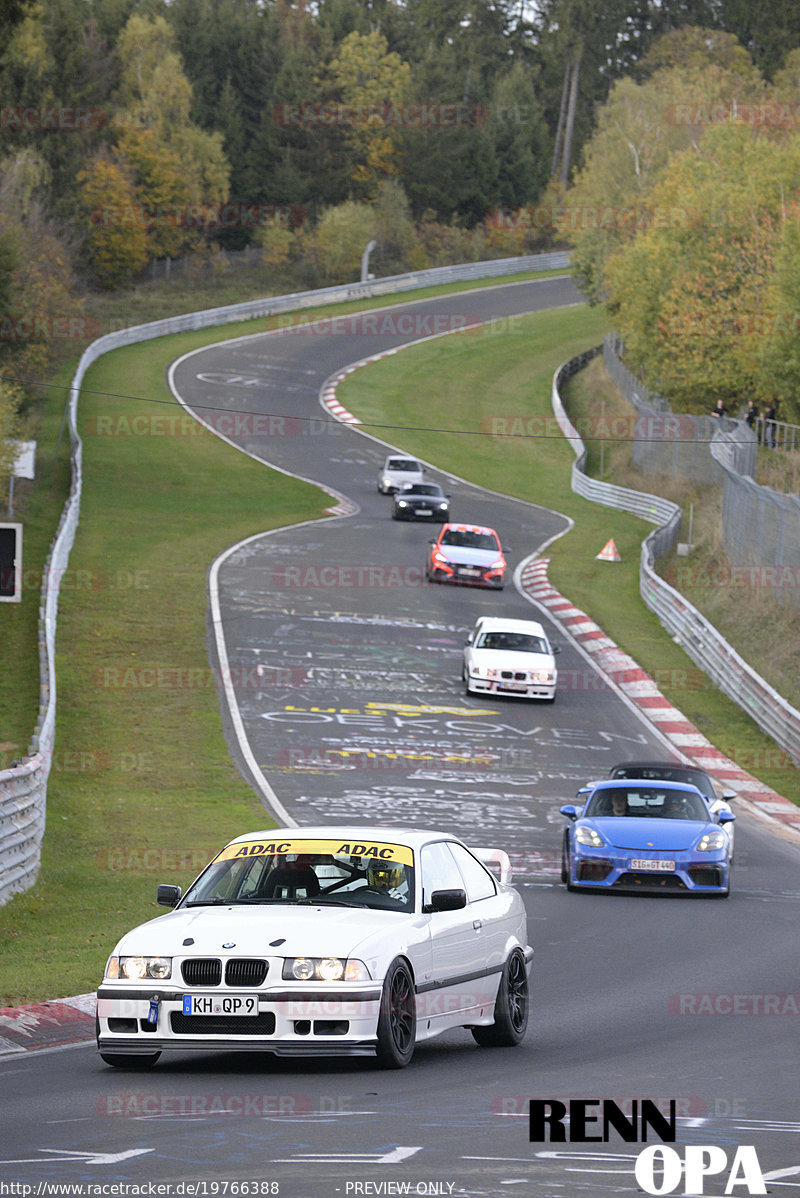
(352, 708)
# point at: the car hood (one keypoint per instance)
(464, 556)
(313, 931)
(663, 835)
(509, 659)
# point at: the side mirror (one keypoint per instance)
(570, 810)
(446, 900)
(168, 896)
(725, 817)
(555, 649)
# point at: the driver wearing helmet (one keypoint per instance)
(389, 878)
(674, 805)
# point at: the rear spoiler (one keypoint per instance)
(498, 858)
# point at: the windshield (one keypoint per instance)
(308, 873)
(471, 540)
(668, 773)
(516, 642)
(403, 464)
(652, 802)
(422, 489)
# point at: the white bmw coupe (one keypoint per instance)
(320, 942)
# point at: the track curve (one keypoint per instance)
(347, 687)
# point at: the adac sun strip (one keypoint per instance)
(400, 854)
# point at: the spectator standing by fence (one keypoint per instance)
(770, 415)
(719, 410)
(751, 415)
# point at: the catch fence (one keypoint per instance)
(760, 526)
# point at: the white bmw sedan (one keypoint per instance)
(323, 941)
(510, 657)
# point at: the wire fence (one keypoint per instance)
(700, 640)
(760, 526)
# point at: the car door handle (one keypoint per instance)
(477, 924)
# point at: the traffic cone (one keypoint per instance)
(609, 553)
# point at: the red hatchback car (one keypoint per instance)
(467, 553)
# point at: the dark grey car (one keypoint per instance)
(421, 501)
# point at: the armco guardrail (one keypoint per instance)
(760, 526)
(23, 787)
(710, 651)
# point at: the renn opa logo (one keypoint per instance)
(659, 1169)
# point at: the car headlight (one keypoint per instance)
(711, 841)
(402, 503)
(485, 671)
(439, 557)
(324, 969)
(588, 836)
(500, 564)
(443, 507)
(139, 969)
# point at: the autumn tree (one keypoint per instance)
(691, 295)
(341, 237)
(372, 84)
(116, 244)
(639, 128)
(37, 286)
(155, 95)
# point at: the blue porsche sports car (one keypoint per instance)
(645, 835)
